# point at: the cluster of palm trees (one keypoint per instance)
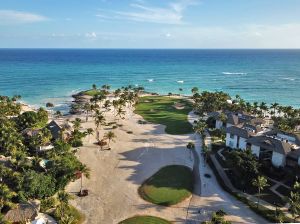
(285, 118)
(99, 104)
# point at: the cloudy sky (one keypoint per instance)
(150, 23)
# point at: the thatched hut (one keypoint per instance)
(22, 213)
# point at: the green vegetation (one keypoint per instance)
(245, 173)
(270, 215)
(161, 110)
(22, 176)
(145, 220)
(218, 218)
(92, 92)
(169, 186)
(286, 118)
(294, 201)
(245, 168)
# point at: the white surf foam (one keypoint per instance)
(289, 79)
(234, 73)
(150, 80)
(180, 81)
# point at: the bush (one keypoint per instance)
(69, 215)
(47, 203)
(217, 146)
(76, 143)
(37, 185)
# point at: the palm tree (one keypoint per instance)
(106, 105)
(190, 146)
(263, 106)
(195, 90)
(261, 182)
(200, 127)
(76, 123)
(5, 195)
(99, 120)
(58, 113)
(63, 198)
(120, 112)
(205, 151)
(94, 86)
(89, 132)
(294, 200)
(87, 108)
(274, 107)
(50, 105)
(110, 136)
(84, 171)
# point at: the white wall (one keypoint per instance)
(228, 125)
(278, 159)
(243, 143)
(219, 124)
(231, 142)
(255, 150)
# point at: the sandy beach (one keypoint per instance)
(117, 174)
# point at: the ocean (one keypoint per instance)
(53, 75)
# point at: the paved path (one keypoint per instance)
(213, 197)
(193, 214)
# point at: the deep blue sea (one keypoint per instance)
(42, 75)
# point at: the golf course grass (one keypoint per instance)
(169, 186)
(161, 110)
(91, 92)
(145, 220)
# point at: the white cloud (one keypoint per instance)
(172, 14)
(91, 36)
(10, 17)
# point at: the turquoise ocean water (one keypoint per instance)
(42, 75)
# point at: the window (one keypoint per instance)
(231, 135)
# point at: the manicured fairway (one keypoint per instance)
(145, 220)
(161, 110)
(169, 186)
(91, 92)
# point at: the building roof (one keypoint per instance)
(255, 128)
(232, 119)
(257, 121)
(23, 212)
(55, 129)
(240, 131)
(270, 143)
(294, 135)
(294, 154)
(235, 118)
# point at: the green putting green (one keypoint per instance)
(145, 220)
(169, 186)
(171, 112)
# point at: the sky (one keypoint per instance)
(149, 23)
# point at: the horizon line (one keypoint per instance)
(83, 48)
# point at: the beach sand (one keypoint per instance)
(117, 174)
